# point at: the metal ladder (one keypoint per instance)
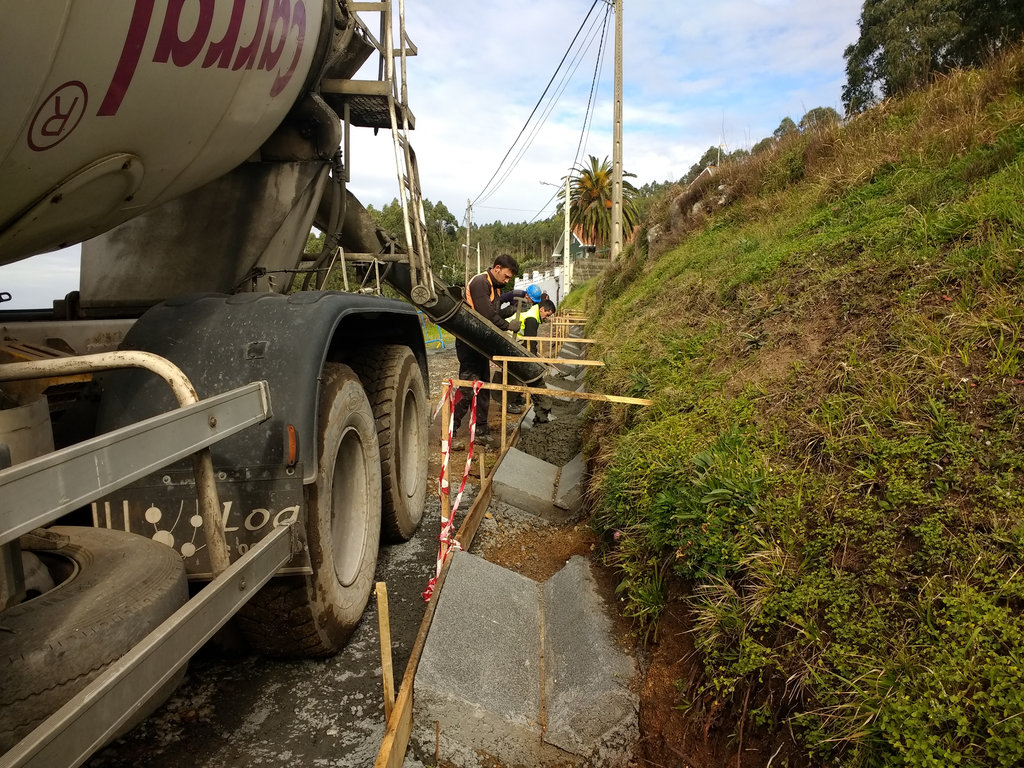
(383, 103)
(410, 192)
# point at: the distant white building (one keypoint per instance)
(549, 282)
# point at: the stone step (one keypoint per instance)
(521, 673)
(539, 487)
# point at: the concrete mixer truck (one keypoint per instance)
(199, 411)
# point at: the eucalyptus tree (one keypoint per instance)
(903, 43)
(819, 116)
(786, 127)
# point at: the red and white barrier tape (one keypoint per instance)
(446, 540)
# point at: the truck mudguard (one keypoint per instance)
(221, 342)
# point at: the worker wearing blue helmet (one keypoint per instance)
(523, 310)
(532, 292)
(540, 310)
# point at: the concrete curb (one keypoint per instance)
(478, 684)
(479, 695)
(539, 487)
(591, 708)
(527, 482)
(569, 491)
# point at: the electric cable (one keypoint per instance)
(566, 77)
(539, 101)
(551, 104)
(588, 116)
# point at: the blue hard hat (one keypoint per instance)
(534, 292)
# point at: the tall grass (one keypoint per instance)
(833, 463)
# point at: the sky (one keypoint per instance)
(695, 75)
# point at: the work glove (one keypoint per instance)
(513, 325)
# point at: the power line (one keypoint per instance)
(539, 101)
(588, 116)
(566, 77)
(502, 208)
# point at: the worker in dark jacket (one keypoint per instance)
(508, 297)
(482, 294)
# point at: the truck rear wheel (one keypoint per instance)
(115, 588)
(398, 397)
(312, 616)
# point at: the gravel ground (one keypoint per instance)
(556, 442)
(233, 712)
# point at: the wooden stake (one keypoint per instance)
(445, 498)
(387, 670)
(504, 402)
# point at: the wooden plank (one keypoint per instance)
(547, 360)
(445, 498)
(396, 738)
(387, 669)
(553, 392)
(504, 405)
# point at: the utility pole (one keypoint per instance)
(469, 226)
(566, 261)
(617, 141)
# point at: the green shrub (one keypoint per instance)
(832, 467)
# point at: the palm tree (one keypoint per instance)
(590, 202)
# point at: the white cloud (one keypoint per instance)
(696, 75)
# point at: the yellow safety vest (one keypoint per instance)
(533, 312)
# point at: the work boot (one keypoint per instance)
(458, 444)
(542, 417)
(514, 409)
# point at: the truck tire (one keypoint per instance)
(398, 397)
(312, 616)
(116, 588)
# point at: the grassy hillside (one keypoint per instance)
(833, 335)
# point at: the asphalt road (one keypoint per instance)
(236, 711)
(245, 711)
